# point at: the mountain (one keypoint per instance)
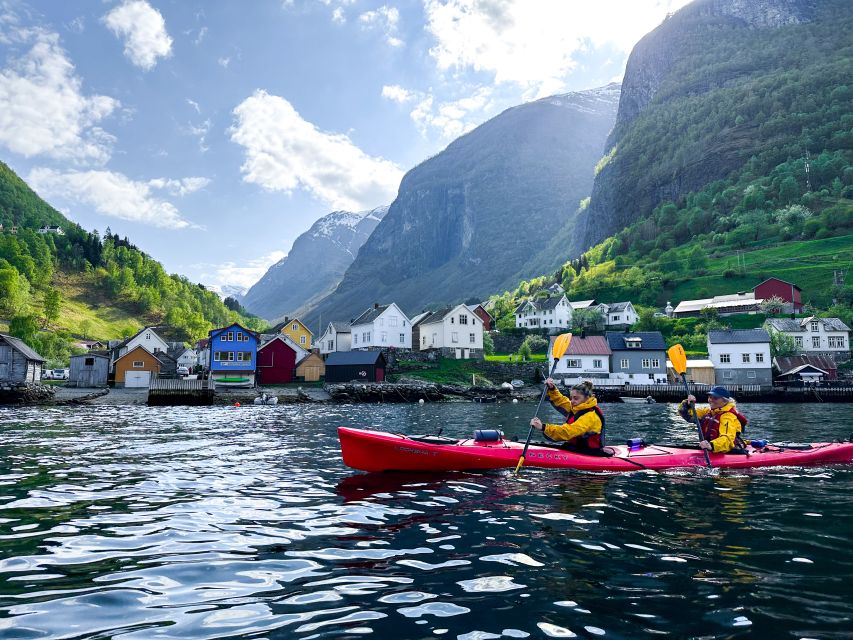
(57, 285)
(479, 215)
(315, 265)
(719, 84)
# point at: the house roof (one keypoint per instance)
(800, 324)
(649, 340)
(22, 347)
(437, 316)
(371, 314)
(215, 332)
(785, 363)
(543, 304)
(340, 327)
(778, 280)
(738, 336)
(124, 342)
(618, 306)
(281, 325)
(801, 368)
(746, 299)
(589, 346)
(308, 356)
(473, 309)
(286, 340)
(420, 318)
(137, 347)
(91, 354)
(338, 358)
(582, 304)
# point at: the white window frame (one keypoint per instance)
(815, 342)
(836, 342)
(596, 364)
(725, 358)
(759, 357)
(573, 363)
(472, 338)
(815, 326)
(138, 364)
(402, 338)
(750, 374)
(798, 340)
(302, 340)
(625, 363)
(745, 359)
(647, 363)
(454, 336)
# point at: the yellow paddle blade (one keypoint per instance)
(561, 345)
(518, 466)
(678, 358)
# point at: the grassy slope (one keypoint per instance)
(84, 302)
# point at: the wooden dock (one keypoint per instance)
(180, 391)
(745, 393)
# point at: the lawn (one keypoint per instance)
(445, 371)
(536, 357)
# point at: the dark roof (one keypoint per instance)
(371, 314)
(341, 327)
(738, 336)
(215, 332)
(338, 358)
(800, 324)
(786, 363)
(542, 304)
(437, 316)
(617, 306)
(20, 345)
(651, 340)
(91, 354)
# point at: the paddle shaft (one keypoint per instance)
(538, 406)
(696, 420)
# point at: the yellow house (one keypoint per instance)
(294, 329)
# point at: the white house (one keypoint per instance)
(554, 311)
(381, 327)
(740, 356)
(621, 314)
(726, 305)
(815, 336)
(337, 337)
(184, 356)
(202, 350)
(586, 358)
(455, 331)
(52, 228)
(146, 338)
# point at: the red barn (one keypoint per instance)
(485, 316)
(789, 292)
(277, 360)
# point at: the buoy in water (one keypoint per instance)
(515, 400)
(421, 401)
(236, 404)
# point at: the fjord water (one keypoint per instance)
(138, 522)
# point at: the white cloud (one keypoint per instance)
(143, 30)
(181, 187)
(229, 275)
(385, 18)
(452, 118)
(338, 16)
(42, 107)
(285, 152)
(194, 105)
(112, 194)
(200, 131)
(397, 93)
(533, 43)
(224, 61)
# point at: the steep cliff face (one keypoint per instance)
(470, 220)
(315, 265)
(707, 51)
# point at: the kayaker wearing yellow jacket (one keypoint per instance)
(721, 422)
(584, 426)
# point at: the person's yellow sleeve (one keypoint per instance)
(729, 428)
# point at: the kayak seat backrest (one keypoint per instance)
(433, 439)
(488, 435)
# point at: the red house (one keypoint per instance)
(789, 292)
(277, 360)
(485, 316)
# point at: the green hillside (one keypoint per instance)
(55, 288)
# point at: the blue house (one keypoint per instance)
(233, 356)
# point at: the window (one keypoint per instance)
(452, 320)
(330, 344)
(294, 326)
(573, 363)
(424, 341)
(88, 362)
(463, 319)
(472, 338)
(750, 374)
(815, 342)
(728, 373)
(355, 338)
(633, 344)
(216, 356)
(224, 356)
(836, 342)
(147, 336)
(454, 336)
(229, 337)
(596, 364)
(402, 338)
(647, 363)
(615, 318)
(392, 321)
(798, 340)
(815, 326)
(138, 364)
(655, 363)
(745, 357)
(383, 337)
(759, 357)
(365, 337)
(625, 363)
(302, 340)
(244, 356)
(725, 358)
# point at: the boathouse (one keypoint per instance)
(277, 360)
(89, 370)
(311, 368)
(359, 366)
(19, 364)
(136, 368)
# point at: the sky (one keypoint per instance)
(212, 133)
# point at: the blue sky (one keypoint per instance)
(213, 132)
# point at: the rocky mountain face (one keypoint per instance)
(479, 216)
(702, 51)
(315, 265)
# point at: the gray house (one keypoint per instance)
(89, 370)
(637, 358)
(19, 364)
(740, 356)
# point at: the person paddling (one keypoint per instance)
(721, 423)
(584, 427)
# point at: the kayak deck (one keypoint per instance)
(379, 451)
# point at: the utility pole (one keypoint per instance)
(808, 181)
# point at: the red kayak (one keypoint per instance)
(379, 451)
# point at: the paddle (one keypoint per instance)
(679, 363)
(561, 344)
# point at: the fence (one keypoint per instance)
(166, 391)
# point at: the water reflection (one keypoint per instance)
(215, 523)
